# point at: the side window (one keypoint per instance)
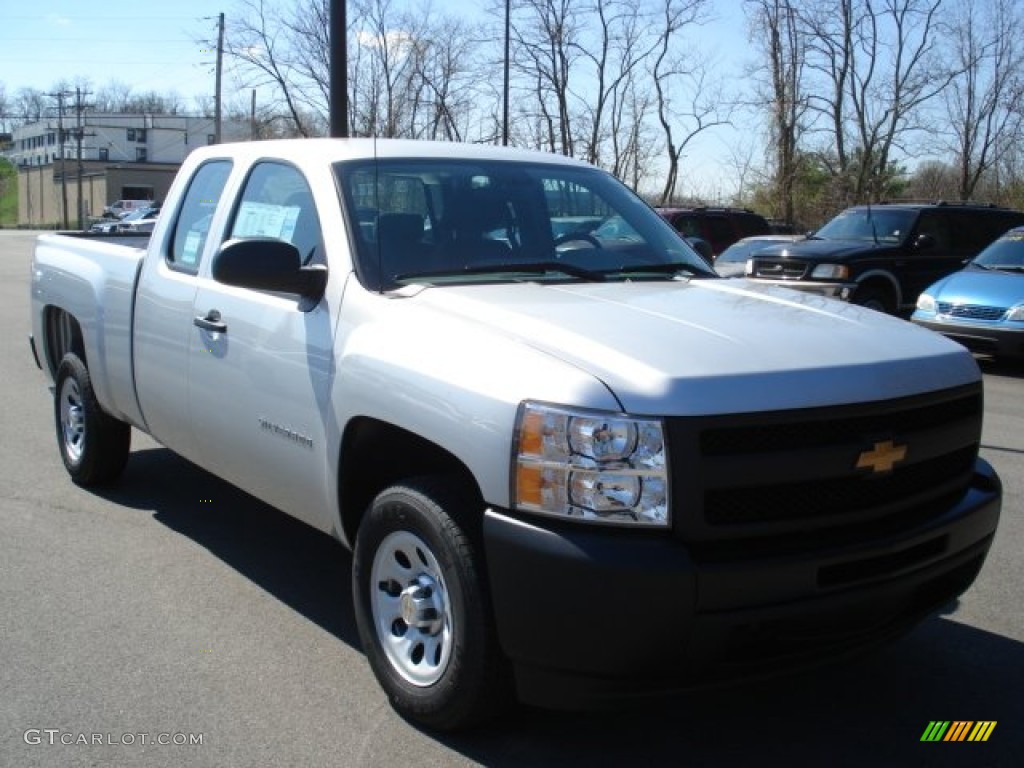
(988, 227)
(687, 226)
(720, 231)
(193, 224)
(751, 225)
(277, 202)
(935, 223)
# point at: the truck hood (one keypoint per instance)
(692, 347)
(818, 250)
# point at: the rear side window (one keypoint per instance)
(750, 224)
(688, 226)
(720, 231)
(196, 213)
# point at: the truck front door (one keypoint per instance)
(261, 362)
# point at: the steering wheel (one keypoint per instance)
(571, 236)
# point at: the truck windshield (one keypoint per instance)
(875, 225)
(445, 221)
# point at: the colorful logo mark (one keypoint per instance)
(958, 730)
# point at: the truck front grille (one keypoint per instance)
(804, 474)
(779, 269)
(970, 311)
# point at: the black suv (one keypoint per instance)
(719, 227)
(883, 256)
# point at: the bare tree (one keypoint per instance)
(262, 40)
(5, 107)
(687, 103)
(983, 100)
(878, 64)
(30, 105)
(546, 38)
(776, 28)
(113, 97)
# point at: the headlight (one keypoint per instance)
(589, 465)
(926, 303)
(748, 268)
(830, 272)
(1016, 313)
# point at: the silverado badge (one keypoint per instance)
(882, 457)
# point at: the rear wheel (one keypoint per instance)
(93, 445)
(422, 607)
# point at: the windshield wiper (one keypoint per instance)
(1006, 267)
(529, 268)
(661, 269)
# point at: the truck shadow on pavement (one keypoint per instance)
(871, 711)
(302, 567)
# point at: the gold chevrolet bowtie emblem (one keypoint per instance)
(882, 457)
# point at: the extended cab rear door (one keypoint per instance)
(163, 335)
(261, 365)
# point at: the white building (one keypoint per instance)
(117, 138)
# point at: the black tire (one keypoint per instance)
(422, 607)
(93, 445)
(878, 299)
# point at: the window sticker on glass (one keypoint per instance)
(266, 220)
(193, 245)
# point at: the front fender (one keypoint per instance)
(456, 384)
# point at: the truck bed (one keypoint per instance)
(92, 278)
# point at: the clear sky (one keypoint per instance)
(162, 47)
(170, 46)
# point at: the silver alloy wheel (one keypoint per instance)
(72, 419)
(410, 607)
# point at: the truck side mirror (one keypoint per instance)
(268, 264)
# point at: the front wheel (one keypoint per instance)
(878, 299)
(422, 608)
(93, 444)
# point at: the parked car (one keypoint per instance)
(883, 256)
(119, 208)
(732, 262)
(982, 305)
(719, 227)
(140, 220)
(105, 226)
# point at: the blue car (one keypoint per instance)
(982, 305)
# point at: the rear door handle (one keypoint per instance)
(211, 322)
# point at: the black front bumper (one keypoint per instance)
(590, 616)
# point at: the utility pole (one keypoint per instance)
(60, 147)
(508, 26)
(217, 109)
(79, 135)
(338, 39)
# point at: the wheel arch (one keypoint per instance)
(62, 333)
(376, 454)
(881, 279)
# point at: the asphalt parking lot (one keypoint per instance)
(173, 608)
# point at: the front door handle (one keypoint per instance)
(211, 322)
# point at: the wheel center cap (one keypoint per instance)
(422, 605)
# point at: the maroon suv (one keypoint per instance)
(720, 227)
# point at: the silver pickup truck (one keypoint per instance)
(573, 464)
